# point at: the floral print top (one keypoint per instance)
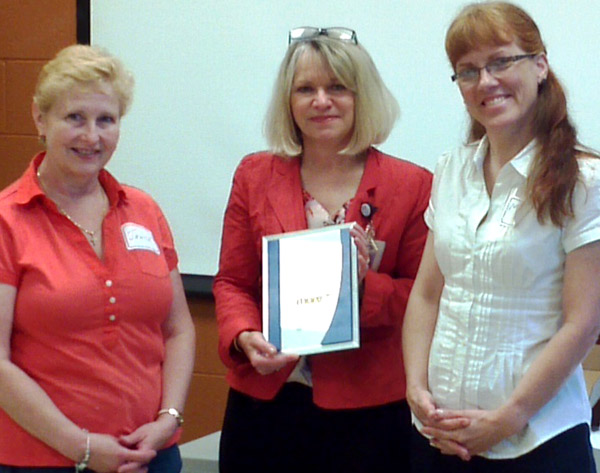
(317, 216)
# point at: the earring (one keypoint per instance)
(542, 84)
(42, 139)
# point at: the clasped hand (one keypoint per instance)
(131, 453)
(463, 433)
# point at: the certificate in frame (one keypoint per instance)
(310, 290)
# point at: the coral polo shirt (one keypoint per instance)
(88, 331)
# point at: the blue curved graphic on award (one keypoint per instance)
(340, 330)
(275, 318)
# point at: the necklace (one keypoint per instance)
(89, 234)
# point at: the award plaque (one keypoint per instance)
(310, 290)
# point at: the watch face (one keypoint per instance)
(173, 412)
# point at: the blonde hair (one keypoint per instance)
(376, 109)
(82, 65)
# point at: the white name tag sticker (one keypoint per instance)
(510, 210)
(139, 238)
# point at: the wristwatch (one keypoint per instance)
(172, 412)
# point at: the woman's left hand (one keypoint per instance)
(362, 245)
(485, 429)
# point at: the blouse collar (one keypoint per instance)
(521, 162)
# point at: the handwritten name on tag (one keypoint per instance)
(510, 210)
(139, 238)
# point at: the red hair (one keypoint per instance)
(554, 170)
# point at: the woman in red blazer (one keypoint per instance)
(343, 411)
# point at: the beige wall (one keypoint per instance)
(31, 32)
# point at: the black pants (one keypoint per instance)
(569, 452)
(290, 434)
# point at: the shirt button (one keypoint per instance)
(112, 318)
(112, 300)
(108, 283)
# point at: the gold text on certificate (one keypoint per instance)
(311, 300)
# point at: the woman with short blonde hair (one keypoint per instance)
(376, 109)
(339, 411)
(96, 339)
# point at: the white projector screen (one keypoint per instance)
(204, 72)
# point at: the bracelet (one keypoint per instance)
(172, 412)
(83, 464)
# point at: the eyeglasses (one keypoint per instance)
(495, 68)
(305, 33)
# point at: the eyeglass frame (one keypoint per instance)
(505, 62)
(323, 32)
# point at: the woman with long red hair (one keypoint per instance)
(506, 303)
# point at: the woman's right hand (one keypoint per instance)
(423, 407)
(262, 355)
(421, 404)
(107, 455)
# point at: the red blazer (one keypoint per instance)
(266, 198)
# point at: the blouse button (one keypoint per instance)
(112, 318)
(108, 283)
(112, 300)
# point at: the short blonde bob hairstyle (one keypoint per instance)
(82, 65)
(376, 109)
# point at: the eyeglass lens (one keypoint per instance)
(495, 68)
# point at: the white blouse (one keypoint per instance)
(502, 297)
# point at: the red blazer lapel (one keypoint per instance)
(285, 194)
(366, 192)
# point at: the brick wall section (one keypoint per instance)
(208, 391)
(31, 32)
